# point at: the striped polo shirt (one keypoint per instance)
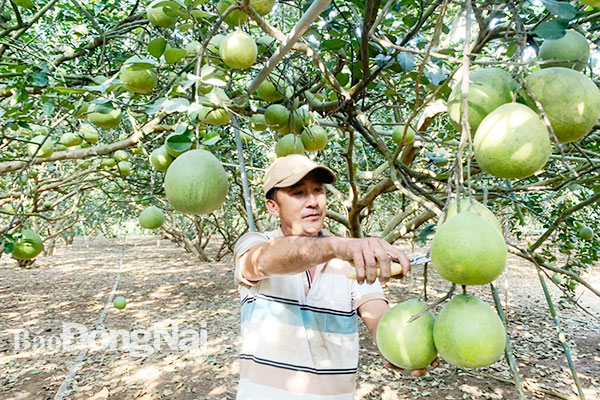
(299, 335)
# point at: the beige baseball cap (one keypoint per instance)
(289, 170)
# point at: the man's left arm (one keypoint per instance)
(371, 312)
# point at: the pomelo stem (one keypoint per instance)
(561, 336)
(508, 353)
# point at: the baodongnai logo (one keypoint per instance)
(138, 342)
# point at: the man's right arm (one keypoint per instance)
(294, 254)
(285, 255)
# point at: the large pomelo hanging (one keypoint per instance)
(468, 333)
(475, 207)
(489, 88)
(468, 250)
(196, 183)
(238, 50)
(151, 218)
(28, 246)
(405, 345)
(512, 142)
(572, 50)
(569, 98)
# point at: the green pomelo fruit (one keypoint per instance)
(137, 79)
(593, 3)
(314, 138)
(269, 90)
(489, 89)
(468, 333)
(124, 168)
(246, 138)
(70, 139)
(476, 208)
(235, 18)
(108, 162)
(107, 121)
(196, 183)
(586, 233)
(161, 159)
(61, 147)
(119, 302)
(44, 151)
(158, 17)
(409, 346)
(151, 218)
(238, 50)
(284, 130)
(512, 142)
(569, 98)
(572, 49)
(299, 119)
(398, 135)
(24, 3)
(89, 133)
(258, 123)
(289, 144)
(557, 278)
(277, 116)
(28, 246)
(262, 7)
(121, 155)
(214, 115)
(84, 165)
(468, 250)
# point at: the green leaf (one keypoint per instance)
(343, 78)
(185, 27)
(9, 243)
(333, 44)
(209, 141)
(410, 20)
(552, 29)
(179, 104)
(173, 55)
(152, 109)
(62, 89)
(424, 234)
(48, 108)
(141, 63)
(193, 111)
(179, 143)
(157, 47)
(40, 78)
(561, 9)
(173, 8)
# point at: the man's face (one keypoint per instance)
(301, 208)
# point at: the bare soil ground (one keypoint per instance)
(166, 286)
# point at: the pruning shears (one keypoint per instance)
(395, 266)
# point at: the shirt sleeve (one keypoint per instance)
(365, 292)
(245, 243)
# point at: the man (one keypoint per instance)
(299, 311)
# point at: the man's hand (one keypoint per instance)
(370, 253)
(415, 372)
